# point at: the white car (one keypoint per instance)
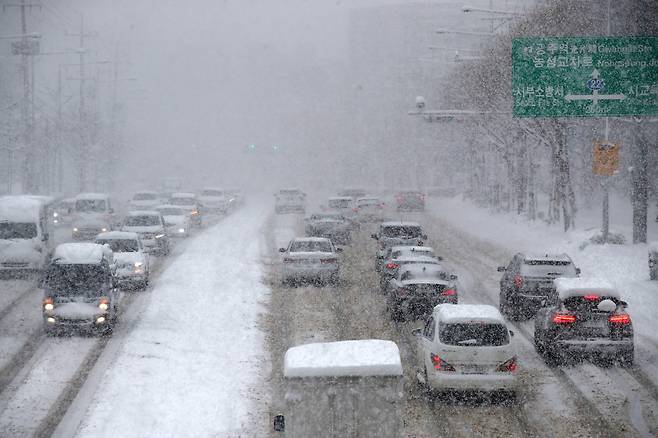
(465, 347)
(150, 226)
(215, 201)
(93, 214)
(370, 209)
(176, 219)
(130, 258)
(190, 203)
(144, 200)
(310, 259)
(290, 201)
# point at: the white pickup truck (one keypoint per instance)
(343, 389)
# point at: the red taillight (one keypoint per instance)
(440, 364)
(449, 293)
(563, 318)
(104, 300)
(288, 260)
(518, 281)
(392, 265)
(328, 261)
(48, 300)
(623, 318)
(591, 297)
(509, 366)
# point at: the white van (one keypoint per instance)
(93, 215)
(466, 347)
(343, 389)
(25, 233)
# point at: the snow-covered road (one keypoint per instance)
(193, 364)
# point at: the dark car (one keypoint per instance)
(418, 289)
(588, 319)
(411, 200)
(527, 282)
(333, 226)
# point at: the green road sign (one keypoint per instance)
(585, 77)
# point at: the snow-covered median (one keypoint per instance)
(194, 364)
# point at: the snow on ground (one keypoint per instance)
(194, 365)
(625, 266)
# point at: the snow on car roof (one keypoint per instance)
(91, 196)
(79, 253)
(183, 195)
(558, 257)
(465, 313)
(580, 286)
(368, 357)
(423, 267)
(400, 224)
(143, 213)
(311, 239)
(117, 235)
(417, 257)
(653, 246)
(341, 198)
(146, 192)
(20, 208)
(412, 248)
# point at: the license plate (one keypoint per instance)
(594, 323)
(474, 369)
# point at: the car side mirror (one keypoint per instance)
(623, 304)
(424, 237)
(453, 277)
(339, 249)
(374, 236)
(511, 333)
(279, 423)
(416, 332)
(282, 250)
(543, 302)
(439, 258)
(501, 269)
(577, 271)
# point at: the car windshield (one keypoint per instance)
(172, 211)
(72, 279)
(473, 334)
(142, 221)
(319, 217)
(182, 201)
(408, 252)
(368, 202)
(18, 230)
(310, 246)
(424, 275)
(210, 192)
(145, 197)
(90, 205)
(586, 303)
(340, 203)
(120, 245)
(402, 231)
(545, 268)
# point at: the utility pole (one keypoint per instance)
(26, 47)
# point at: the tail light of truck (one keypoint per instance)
(509, 366)
(518, 281)
(449, 293)
(564, 318)
(440, 364)
(391, 265)
(48, 303)
(591, 297)
(620, 318)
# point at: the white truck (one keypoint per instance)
(343, 389)
(25, 233)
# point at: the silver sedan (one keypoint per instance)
(310, 259)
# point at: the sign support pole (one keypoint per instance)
(605, 226)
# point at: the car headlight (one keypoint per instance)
(104, 304)
(100, 320)
(104, 230)
(55, 214)
(159, 236)
(181, 230)
(48, 306)
(75, 229)
(138, 264)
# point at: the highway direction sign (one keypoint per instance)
(585, 77)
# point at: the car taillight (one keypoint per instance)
(591, 297)
(440, 364)
(288, 260)
(622, 319)
(509, 366)
(392, 265)
(564, 318)
(449, 293)
(328, 261)
(518, 281)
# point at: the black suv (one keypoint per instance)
(527, 282)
